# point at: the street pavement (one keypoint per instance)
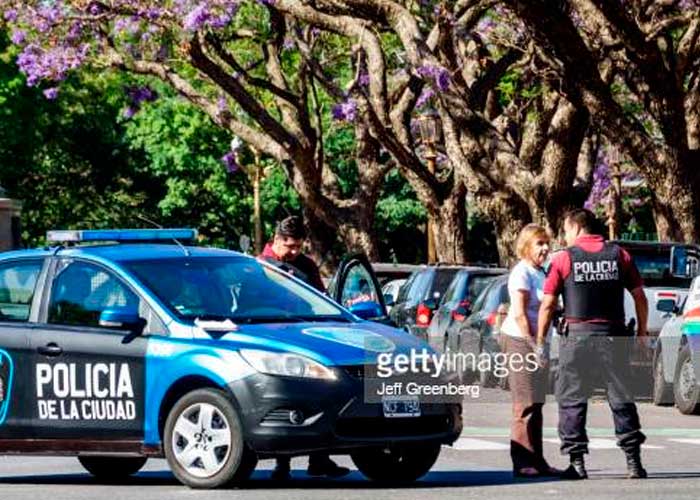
(477, 466)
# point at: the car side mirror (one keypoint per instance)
(122, 318)
(367, 310)
(667, 306)
(389, 299)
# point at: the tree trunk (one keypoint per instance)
(322, 239)
(509, 215)
(675, 208)
(358, 235)
(450, 228)
(663, 220)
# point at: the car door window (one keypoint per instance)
(418, 288)
(358, 287)
(82, 291)
(17, 284)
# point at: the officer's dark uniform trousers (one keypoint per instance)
(595, 355)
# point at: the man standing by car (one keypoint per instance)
(592, 275)
(285, 252)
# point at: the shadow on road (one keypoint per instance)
(260, 480)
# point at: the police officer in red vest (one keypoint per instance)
(592, 276)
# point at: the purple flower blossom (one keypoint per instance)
(229, 161)
(51, 93)
(197, 17)
(18, 37)
(96, 8)
(345, 111)
(50, 64)
(288, 44)
(222, 104)
(364, 79)
(139, 95)
(266, 2)
(129, 112)
(10, 15)
(425, 96)
(439, 74)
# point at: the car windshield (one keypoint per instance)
(236, 288)
(654, 267)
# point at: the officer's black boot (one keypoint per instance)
(577, 468)
(635, 470)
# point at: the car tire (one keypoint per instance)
(662, 391)
(112, 468)
(686, 390)
(204, 441)
(399, 464)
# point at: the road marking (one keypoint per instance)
(686, 441)
(470, 444)
(604, 444)
(603, 432)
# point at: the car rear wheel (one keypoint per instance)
(400, 464)
(112, 468)
(204, 441)
(686, 390)
(663, 391)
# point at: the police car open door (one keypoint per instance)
(87, 380)
(355, 286)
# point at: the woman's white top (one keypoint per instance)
(529, 278)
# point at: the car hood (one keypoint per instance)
(332, 344)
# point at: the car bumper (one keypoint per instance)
(332, 417)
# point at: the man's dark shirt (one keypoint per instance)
(308, 267)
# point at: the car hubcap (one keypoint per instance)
(202, 440)
(687, 381)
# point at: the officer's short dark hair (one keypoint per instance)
(585, 219)
(291, 227)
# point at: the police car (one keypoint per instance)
(143, 347)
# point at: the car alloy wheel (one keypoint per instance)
(685, 384)
(202, 440)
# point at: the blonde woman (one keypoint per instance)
(528, 385)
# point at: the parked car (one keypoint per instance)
(479, 332)
(677, 354)
(419, 297)
(390, 291)
(388, 271)
(126, 349)
(456, 303)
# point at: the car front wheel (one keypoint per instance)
(663, 391)
(686, 390)
(112, 468)
(400, 464)
(204, 441)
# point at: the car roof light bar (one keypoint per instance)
(62, 236)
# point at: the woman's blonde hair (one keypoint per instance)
(526, 238)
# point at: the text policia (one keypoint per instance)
(436, 365)
(100, 391)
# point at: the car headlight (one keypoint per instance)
(286, 364)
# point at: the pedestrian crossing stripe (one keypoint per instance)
(604, 444)
(472, 444)
(686, 441)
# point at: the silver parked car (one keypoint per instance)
(677, 353)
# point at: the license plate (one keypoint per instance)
(401, 407)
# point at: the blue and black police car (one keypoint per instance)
(138, 346)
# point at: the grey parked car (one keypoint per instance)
(457, 301)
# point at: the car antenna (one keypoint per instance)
(177, 242)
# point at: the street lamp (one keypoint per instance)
(428, 126)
